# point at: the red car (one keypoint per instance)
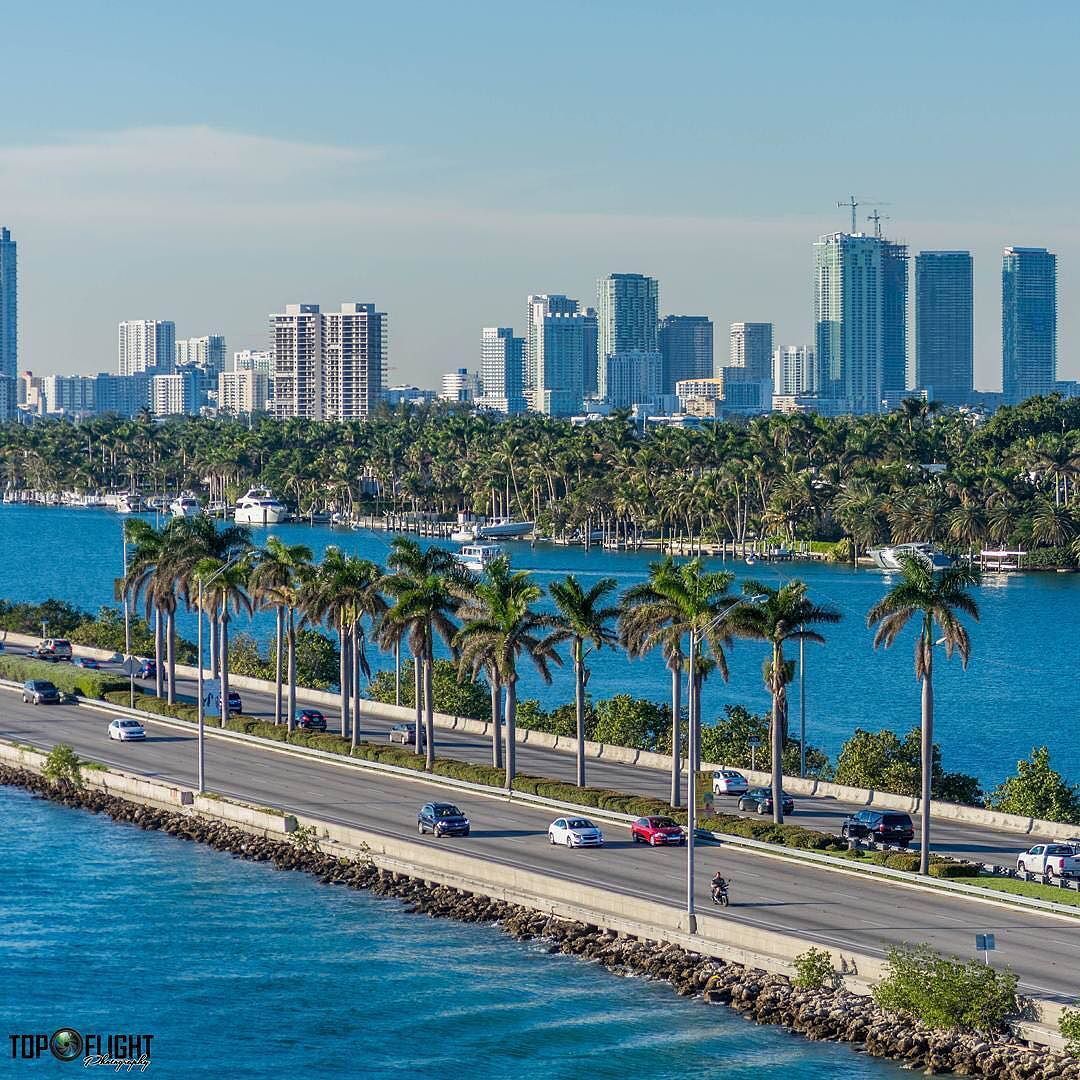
(656, 830)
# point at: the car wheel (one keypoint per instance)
(551, 838)
(569, 842)
(652, 841)
(420, 827)
(634, 838)
(761, 808)
(1021, 868)
(1050, 875)
(465, 833)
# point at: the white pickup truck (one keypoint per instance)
(1050, 860)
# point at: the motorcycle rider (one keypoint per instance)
(719, 885)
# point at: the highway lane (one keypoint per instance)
(820, 904)
(948, 838)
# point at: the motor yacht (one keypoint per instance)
(259, 507)
(478, 557)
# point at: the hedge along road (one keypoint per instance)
(948, 838)
(817, 904)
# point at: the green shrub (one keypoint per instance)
(814, 970)
(62, 766)
(1039, 791)
(947, 993)
(65, 677)
(468, 699)
(949, 870)
(1069, 1026)
(909, 863)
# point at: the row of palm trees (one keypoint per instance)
(493, 622)
(909, 475)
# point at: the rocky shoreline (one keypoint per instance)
(836, 1015)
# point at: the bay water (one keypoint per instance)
(243, 971)
(1019, 691)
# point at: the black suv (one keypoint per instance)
(441, 819)
(884, 826)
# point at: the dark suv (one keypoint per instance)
(310, 720)
(884, 826)
(40, 692)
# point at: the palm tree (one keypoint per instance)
(678, 599)
(776, 616)
(583, 623)
(343, 590)
(274, 576)
(141, 579)
(225, 588)
(936, 595)
(500, 624)
(425, 586)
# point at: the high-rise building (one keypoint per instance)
(147, 345)
(627, 313)
(296, 342)
(242, 392)
(502, 370)
(9, 306)
(122, 395)
(327, 365)
(1028, 323)
(860, 320)
(460, 387)
(207, 353)
(253, 360)
(686, 348)
(168, 395)
(560, 353)
(537, 308)
(944, 330)
(354, 359)
(794, 371)
(748, 374)
(632, 377)
(9, 326)
(72, 395)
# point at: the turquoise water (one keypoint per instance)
(240, 970)
(1019, 690)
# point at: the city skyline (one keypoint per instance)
(178, 194)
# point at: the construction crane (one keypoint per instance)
(877, 219)
(853, 204)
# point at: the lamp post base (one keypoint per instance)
(691, 924)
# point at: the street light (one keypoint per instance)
(199, 603)
(692, 750)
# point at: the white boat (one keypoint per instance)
(1001, 561)
(478, 557)
(185, 505)
(888, 558)
(504, 529)
(129, 502)
(463, 534)
(259, 507)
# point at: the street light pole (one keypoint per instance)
(693, 718)
(127, 630)
(802, 708)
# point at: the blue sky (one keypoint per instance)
(212, 162)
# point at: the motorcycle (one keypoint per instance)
(720, 894)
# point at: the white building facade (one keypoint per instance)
(242, 393)
(147, 345)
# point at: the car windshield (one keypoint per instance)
(579, 823)
(447, 811)
(661, 822)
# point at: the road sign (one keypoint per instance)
(985, 942)
(754, 742)
(211, 697)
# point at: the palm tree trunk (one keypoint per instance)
(579, 710)
(511, 732)
(418, 698)
(290, 641)
(224, 663)
(158, 650)
(429, 708)
(927, 762)
(343, 676)
(776, 749)
(170, 655)
(279, 617)
(356, 673)
(676, 732)
(215, 668)
(496, 724)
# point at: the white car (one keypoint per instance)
(729, 782)
(1050, 860)
(126, 730)
(575, 832)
